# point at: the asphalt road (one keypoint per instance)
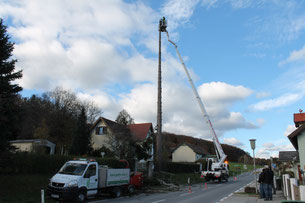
(211, 192)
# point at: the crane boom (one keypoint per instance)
(219, 151)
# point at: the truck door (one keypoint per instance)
(91, 179)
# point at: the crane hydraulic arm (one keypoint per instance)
(219, 151)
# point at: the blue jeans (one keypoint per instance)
(268, 190)
(261, 190)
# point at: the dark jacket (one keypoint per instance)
(261, 177)
(268, 176)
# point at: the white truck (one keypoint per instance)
(217, 169)
(78, 179)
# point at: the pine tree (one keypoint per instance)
(8, 91)
(81, 142)
(124, 118)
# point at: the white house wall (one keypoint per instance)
(27, 147)
(301, 145)
(99, 140)
(184, 154)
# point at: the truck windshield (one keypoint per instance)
(73, 169)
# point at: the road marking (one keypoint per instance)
(223, 199)
(162, 200)
(226, 197)
(184, 194)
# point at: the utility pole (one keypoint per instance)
(162, 28)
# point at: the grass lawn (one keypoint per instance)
(23, 188)
(238, 168)
(182, 178)
(235, 169)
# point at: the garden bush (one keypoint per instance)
(175, 167)
(32, 163)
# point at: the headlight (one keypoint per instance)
(73, 183)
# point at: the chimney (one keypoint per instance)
(299, 118)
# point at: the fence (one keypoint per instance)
(292, 190)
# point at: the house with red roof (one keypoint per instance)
(297, 139)
(103, 129)
(142, 132)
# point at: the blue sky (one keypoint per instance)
(247, 59)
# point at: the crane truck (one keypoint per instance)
(217, 168)
(81, 178)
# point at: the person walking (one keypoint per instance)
(261, 186)
(267, 183)
(274, 191)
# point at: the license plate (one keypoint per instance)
(54, 196)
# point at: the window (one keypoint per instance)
(73, 169)
(91, 171)
(100, 130)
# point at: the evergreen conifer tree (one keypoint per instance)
(8, 90)
(81, 144)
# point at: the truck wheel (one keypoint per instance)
(117, 192)
(81, 196)
(131, 189)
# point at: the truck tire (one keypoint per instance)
(117, 192)
(81, 196)
(227, 178)
(131, 189)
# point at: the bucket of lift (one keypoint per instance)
(162, 24)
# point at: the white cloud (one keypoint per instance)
(72, 42)
(181, 113)
(93, 46)
(271, 149)
(178, 11)
(233, 141)
(260, 95)
(221, 92)
(281, 101)
(240, 4)
(289, 130)
(235, 4)
(109, 105)
(209, 3)
(295, 55)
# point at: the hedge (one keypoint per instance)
(176, 167)
(31, 163)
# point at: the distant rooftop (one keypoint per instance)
(288, 156)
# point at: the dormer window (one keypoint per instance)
(100, 130)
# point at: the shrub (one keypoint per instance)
(32, 163)
(250, 189)
(176, 167)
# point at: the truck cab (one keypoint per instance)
(216, 171)
(77, 179)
